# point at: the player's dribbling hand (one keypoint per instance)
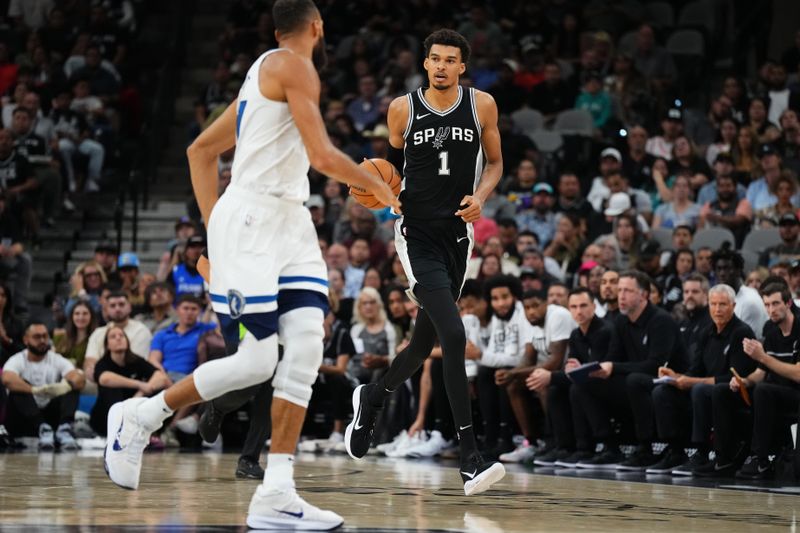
(470, 209)
(383, 193)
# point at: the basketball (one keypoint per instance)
(387, 172)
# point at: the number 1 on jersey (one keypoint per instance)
(444, 166)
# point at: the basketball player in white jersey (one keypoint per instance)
(267, 272)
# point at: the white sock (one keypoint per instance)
(279, 474)
(153, 411)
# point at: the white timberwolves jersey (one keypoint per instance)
(270, 155)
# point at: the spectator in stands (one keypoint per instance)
(557, 294)
(725, 140)
(509, 332)
(120, 375)
(608, 295)
(158, 297)
(86, 284)
(723, 166)
(785, 191)
(361, 222)
(671, 129)
(19, 184)
(338, 258)
(773, 388)
(595, 100)
(789, 143)
(493, 246)
(364, 109)
(681, 210)
(566, 244)
(628, 239)
(553, 95)
(684, 159)
(652, 60)
(629, 90)
(106, 254)
(128, 268)
(374, 337)
(745, 155)
(727, 210)
(175, 348)
(789, 249)
(102, 83)
(184, 276)
(539, 217)
(11, 328)
(37, 151)
(516, 146)
(570, 200)
(15, 264)
(117, 309)
(610, 165)
(685, 400)
(74, 137)
(681, 266)
(728, 266)
(757, 120)
(316, 206)
(761, 192)
(43, 391)
(703, 264)
(519, 187)
(636, 161)
(72, 341)
(645, 339)
(587, 342)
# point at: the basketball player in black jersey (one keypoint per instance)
(451, 145)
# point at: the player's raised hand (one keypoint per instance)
(470, 209)
(384, 194)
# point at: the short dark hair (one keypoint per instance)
(24, 110)
(117, 293)
(642, 280)
(557, 284)
(535, 294)
(289, 15)
(447, 37)
(582, 290)
(782, 288)
(528, 233)
(507, 223)
(502, 280)
(189, 298)
(472, 287)
(726, 253)
(35, 322)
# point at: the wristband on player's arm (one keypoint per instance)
(396, 158)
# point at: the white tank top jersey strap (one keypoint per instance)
(270, 155)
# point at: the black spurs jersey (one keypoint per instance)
(443, 156)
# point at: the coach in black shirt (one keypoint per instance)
(695, 308)
(687, 398)
(775, 390)
(588, 342)
(644, 339)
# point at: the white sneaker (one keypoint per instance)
(46, 442)
(430, 448)
(64, 438)
(272, 509)
(411, 442)
(399, 440)
(524, 452)
(329, 445)
(188, 425)
(127, 439)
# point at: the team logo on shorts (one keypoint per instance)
(236, 303)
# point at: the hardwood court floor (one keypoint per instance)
(40, 492)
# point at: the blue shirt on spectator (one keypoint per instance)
(544, 226)
(180, 350)
(760, 197)
(708, 192)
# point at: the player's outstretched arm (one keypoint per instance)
(301, 86)
(493, 171)
(203, 153)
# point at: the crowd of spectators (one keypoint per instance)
(582, 255)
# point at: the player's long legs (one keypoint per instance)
(439, 316)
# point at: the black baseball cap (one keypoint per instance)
(788, 218)
(674, 114)
(649, 249)
(767, 149)
(107, 246)
(724, 157)
(196, 240)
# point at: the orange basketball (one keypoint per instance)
(387, 172)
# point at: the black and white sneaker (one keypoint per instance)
(670, 459)
(756, 468)
(479, 475)
(608, 458)
(641, 460)
(574, 458)
(358, 435)
(551, 457)
(246, 468)
(698, 459)
(210, 423)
